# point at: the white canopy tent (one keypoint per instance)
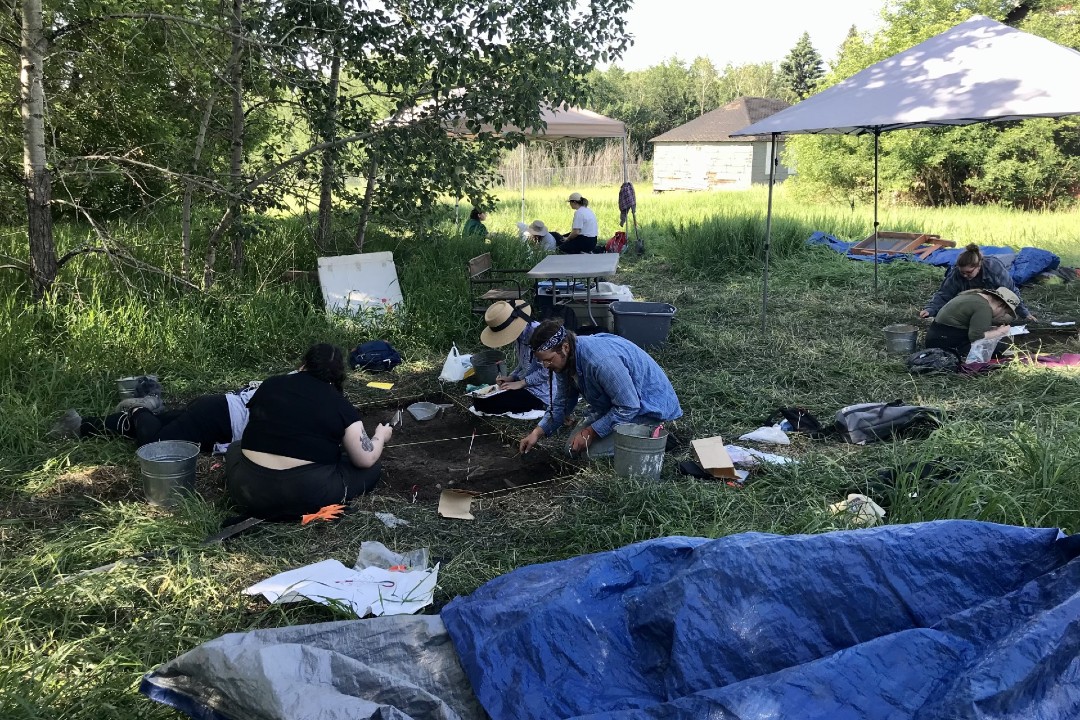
(977, 71)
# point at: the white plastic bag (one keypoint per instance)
(453, 370)
(982, 350)
(768, 435)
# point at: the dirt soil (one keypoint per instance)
(431, 456)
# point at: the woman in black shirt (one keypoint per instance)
(305, 446)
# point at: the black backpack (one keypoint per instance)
(374, 356)
(800, 420)
(933, 360)
(870, 422)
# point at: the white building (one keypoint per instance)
(702, 155)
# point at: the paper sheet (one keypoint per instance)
(527, 415)
(454, 504)
(1055, 323)
(746, 456)
(1018, 330)
(381, 385)
(371, 591)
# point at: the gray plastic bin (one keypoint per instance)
(646, 324)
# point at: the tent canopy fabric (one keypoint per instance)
(977, 71)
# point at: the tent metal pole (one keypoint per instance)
(877, 139)
(768, 235)
(522, 182)
(625, 174)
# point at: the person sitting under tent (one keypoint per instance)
(974, 271)
(474, 226)
(210, 420)
(585, 228)
(526, 387)
(620, 382)
(544, 238)
(305, 446)
(971, 316)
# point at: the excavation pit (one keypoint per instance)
(427, 457)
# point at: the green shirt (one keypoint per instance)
(967, 311)
(474, 228)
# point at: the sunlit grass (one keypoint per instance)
(78, 649)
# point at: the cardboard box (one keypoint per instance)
(714, 458)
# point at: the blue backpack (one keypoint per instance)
(374, 356)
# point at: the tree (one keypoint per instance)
(479, 64)
(749, 80)
(802, 69)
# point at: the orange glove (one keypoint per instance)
(329, 512)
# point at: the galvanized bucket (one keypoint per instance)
(637, 452)
(901, 339)
(168, 470)
(126, 387)
(488, 365)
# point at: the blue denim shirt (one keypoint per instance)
(992, 275)
(530, 370)
(619, 381)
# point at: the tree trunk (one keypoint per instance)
(365, 213)
(43, 266)
(185, 215)
(236, 160)
(330, 154)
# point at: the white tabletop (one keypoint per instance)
(576, 266)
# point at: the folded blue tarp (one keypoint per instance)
(950, 619)
(1023, 265)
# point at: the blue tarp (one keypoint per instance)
(1023, 265)
(949, 619)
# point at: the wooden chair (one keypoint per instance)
(483, 279)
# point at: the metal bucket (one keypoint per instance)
(126, 387)
(901, 339)
(168, 469)
(637, 452)
(487, 366)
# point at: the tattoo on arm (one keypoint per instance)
(365, 441)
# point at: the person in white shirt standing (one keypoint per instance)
(582, 236)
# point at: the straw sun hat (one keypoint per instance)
(505, 321)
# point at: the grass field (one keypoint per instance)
(78, 649)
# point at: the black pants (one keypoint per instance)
(509, 401)
(952, 338)
(577, 245)
(288, 494)
(205, 422)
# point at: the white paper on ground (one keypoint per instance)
(390, 520)
(527, 415)
(1055, 323)
(768, 435)
(371, 591)
(747, 456)
(1018, 330)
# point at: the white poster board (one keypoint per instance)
(353, 283)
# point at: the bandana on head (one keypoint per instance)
(554, 341)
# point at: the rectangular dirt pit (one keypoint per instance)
(433, 455)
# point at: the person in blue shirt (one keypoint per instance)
(526, 388)
(974, 271)
(620, 382)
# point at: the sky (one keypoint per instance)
(740, 32)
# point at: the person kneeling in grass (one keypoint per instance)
(620, 382)
(973, 315)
